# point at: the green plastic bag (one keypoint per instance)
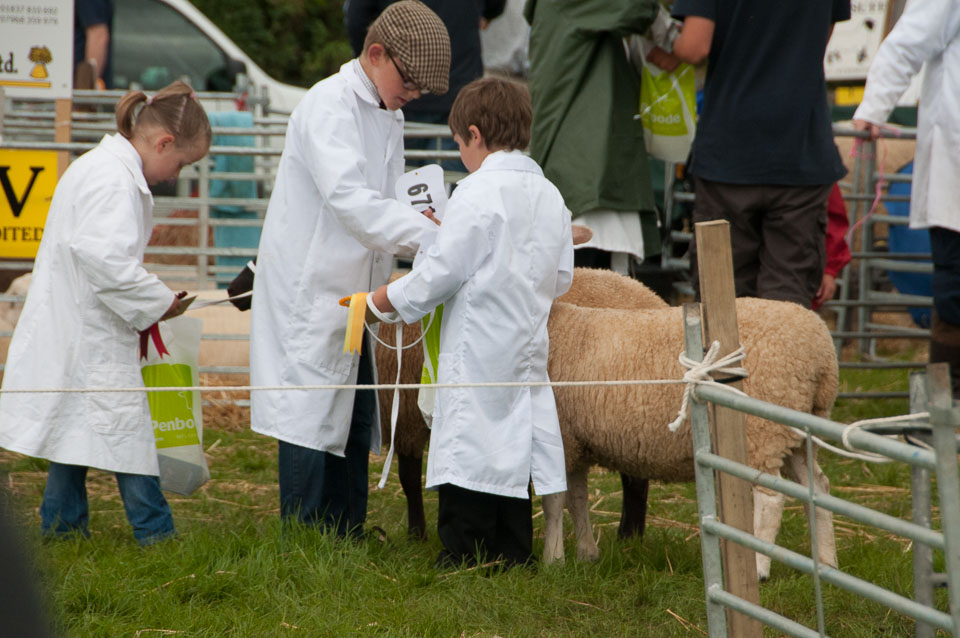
(667, 109)
(177, 416)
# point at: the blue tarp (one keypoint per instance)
(909, 240)
(231, 236)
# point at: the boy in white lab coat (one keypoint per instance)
(503, 253)
(332, 227)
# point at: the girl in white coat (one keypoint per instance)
(89, 297)
(928, 35)
(502, 255)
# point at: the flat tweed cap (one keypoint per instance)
(417, 37)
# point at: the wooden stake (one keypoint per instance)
(61, 133)
(735, 495)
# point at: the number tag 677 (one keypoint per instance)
(423, 187)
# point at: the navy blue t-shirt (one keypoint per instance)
(765, 117)
(88, 13)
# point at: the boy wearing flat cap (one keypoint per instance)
(332, 228)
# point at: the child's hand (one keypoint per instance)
(179, 305)
(581, 234)
(429, 214)
(379, 306)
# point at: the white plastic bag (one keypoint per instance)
(177, 416)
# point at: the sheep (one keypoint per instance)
(791, 362)
(596, 288)
(10, 310)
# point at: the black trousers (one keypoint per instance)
(476, 525)
(777, 235)
(945, 282)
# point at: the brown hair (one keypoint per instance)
(174, 108)
(500, 109)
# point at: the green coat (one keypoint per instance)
(585, 93)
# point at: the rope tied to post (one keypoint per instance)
(698, 372)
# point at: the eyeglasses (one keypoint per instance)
(407, 81)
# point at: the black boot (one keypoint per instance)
(945, 347)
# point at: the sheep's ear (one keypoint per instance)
(581, 234)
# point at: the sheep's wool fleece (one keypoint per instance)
(790, 359)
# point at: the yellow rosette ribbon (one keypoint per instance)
(357, 303)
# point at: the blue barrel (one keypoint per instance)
(908, 240)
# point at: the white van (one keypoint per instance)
(158, 41)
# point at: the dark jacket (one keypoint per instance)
(585, 93)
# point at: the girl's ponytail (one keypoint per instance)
(174, 108)
(126, 112)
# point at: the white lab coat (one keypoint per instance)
(330, 231)
(89, 297)
(503, 254)
(928, 33)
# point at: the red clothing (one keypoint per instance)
(838, 252)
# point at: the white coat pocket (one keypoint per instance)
(113, 412)
(319, 342)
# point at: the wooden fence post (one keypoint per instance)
(63, 111)
(735, 495)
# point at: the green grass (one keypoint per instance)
(234, 571)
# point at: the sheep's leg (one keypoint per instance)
(767, 514)
(553, 528)
(796, 466)
(578, 504)
(409, 469)
(633, 513)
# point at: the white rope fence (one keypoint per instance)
(698, 373)
(350, 386)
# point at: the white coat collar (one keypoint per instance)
(349, 71)
(508, 161)
(121, 147)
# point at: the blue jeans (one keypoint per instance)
(64, 509)
(319, 488)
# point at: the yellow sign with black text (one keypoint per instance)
(27, 182)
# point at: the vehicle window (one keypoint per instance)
(153, 45)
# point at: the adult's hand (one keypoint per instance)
(872, 129)
(662, 59)
(828, 286)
